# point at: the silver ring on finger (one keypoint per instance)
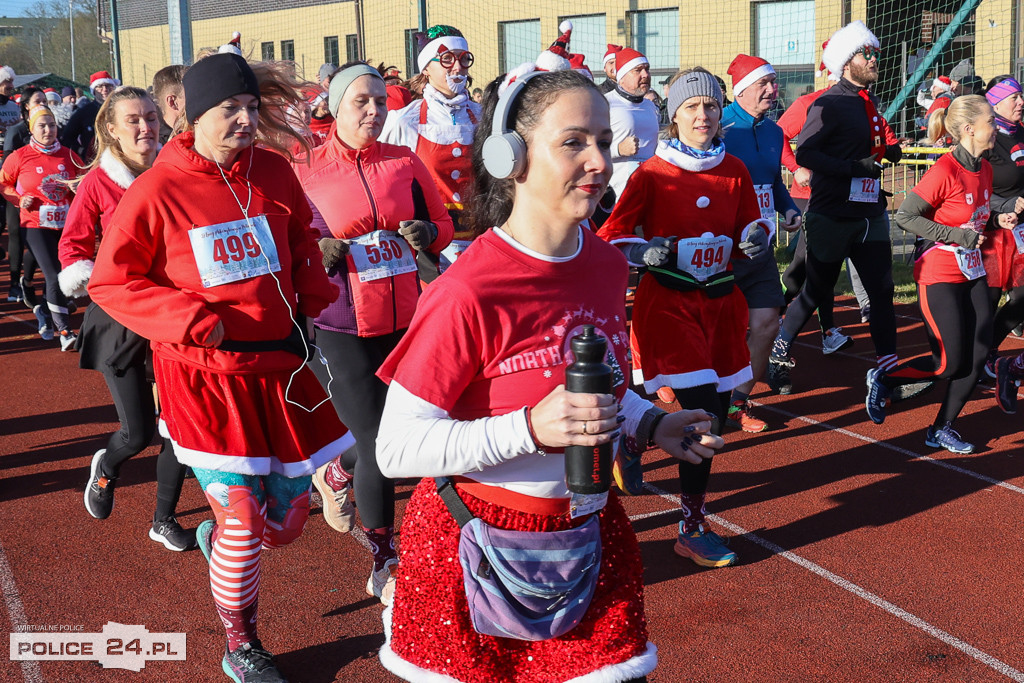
(585, 427)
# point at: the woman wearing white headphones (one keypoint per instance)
(477, 396)
(210, 257)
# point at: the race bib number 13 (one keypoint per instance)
(237, 250)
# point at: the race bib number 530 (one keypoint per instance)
(381, 254)
(233, 251)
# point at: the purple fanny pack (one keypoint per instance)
(527, 585)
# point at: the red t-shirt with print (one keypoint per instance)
(492, 335)
(961, 199)
(40, 175)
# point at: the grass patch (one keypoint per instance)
(902, 275)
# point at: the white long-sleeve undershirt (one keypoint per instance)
(419, 439)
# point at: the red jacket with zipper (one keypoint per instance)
(146, 275)
(354, 193)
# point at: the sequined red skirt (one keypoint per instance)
(432, 638)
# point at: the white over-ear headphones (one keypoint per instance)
(504, 150)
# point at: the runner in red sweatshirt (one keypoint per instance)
(210, 256)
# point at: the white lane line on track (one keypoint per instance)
(915, 621)
(903, 451)
(16, 611)
(656, 513)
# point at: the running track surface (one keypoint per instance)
(863, 555)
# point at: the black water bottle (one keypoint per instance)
(588, 469)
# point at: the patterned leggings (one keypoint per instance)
(253, 512)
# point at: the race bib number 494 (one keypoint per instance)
(704, 256)
(233, 251)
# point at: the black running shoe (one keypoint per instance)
(250, 663)
(173, 537)
(1006, 386)
(28, 294)
(778, 374)
(99, 492)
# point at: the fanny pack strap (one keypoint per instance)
(455, 504)
(292, 343)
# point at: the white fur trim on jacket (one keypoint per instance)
(258, 466)
(74, 278)
(685, 161)
(844, 43)
(116, 170)
(638, 666)
(769, 227)
(113, 82)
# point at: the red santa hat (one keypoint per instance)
(626, 60)
(6, 74)
(233, 46)
(576, 62)
(556, 57)
(943, 83)
(610, 53)
(102, 78)
(746, 70)
(844, 43)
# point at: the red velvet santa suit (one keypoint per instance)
(686, 339)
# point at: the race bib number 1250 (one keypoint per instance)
(237, 250)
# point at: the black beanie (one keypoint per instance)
(214, 79)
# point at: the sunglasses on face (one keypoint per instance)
(870, 53)
(447, 59)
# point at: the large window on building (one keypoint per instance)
(655, 33)
(351, 48)
(589, 38)
(331, 50)
(518, 42)
(288, 50)
(267, 51)
(784, 35)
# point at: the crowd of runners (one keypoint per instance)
(343, 282)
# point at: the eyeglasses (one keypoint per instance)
(447, 59)
(870, 53)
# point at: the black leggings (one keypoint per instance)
(873, 260)
(793, 280)
(1009, 314)
(133, 398)
(958, 317)
(43, 244)
(358, 397)
(16, 247)
(693, 479)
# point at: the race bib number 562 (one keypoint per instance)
(232, 251)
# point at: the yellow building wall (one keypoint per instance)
(722, 31)
(993, 36)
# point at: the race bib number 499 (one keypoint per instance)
(233, 251)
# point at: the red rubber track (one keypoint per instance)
(862, 558)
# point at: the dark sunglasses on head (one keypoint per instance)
(447, 59)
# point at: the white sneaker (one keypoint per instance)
(67, 340)
(45, 327)
(381, 584)
(834, 340)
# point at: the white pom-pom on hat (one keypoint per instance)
(565, 26)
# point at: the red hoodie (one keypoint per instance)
(147, 275)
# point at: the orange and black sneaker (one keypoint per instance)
(740, 418)
(99, 492)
